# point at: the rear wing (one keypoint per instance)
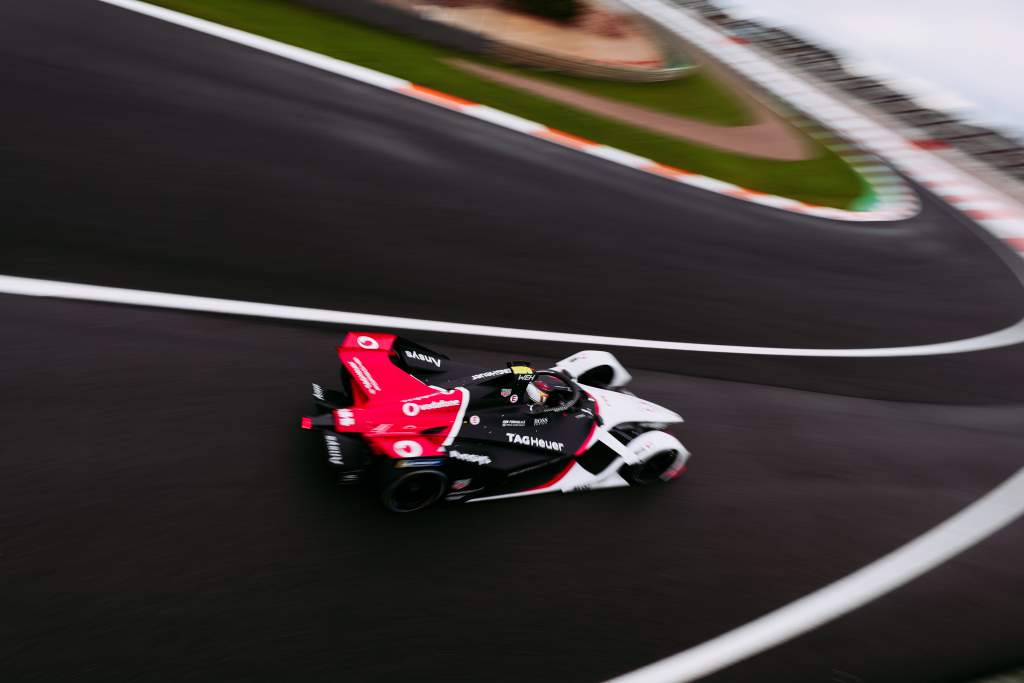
(377, 365)
(409, 355)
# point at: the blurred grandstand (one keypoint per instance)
(931, 128)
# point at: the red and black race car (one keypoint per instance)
(430, 428)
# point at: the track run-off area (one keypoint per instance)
(853, 392)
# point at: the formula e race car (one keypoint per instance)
(430, 428)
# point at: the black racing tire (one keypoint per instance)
(651, 470)
(414, 490)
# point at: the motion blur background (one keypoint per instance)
(817, 194)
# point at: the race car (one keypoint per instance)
(430, 428)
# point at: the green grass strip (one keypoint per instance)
(826, 180)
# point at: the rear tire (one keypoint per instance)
(414, 490)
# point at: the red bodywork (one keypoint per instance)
(391, 408)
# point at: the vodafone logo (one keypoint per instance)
(413, 409)
(368, 343)
(408, 449)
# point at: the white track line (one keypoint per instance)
(973, 524)
(69, 290)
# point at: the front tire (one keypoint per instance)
(414, 490)
(662, 458)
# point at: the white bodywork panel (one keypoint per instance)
(616, 408)
(636, 451)
(584, 361)
(651, 443)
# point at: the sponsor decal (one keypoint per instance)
(514, 398)
(381, 428)
(333, 449)
(513, 423)
(363, 375)
(368, 343)
(491, 373)
(505, 393)
(423, 357)
(474, 420)
(534, 442)
(460, 484)
(470, 457)
(408, 449)
(318, 392)
(414, 409)
(422, 462)
(526, 378)
(540, 421)
(432, 394)
(345, 417)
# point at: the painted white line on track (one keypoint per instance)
(69, 290)
(973, 524)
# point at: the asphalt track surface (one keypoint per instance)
(164, 519)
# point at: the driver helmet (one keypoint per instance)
(538, 391)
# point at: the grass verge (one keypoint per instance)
(694, 96)
(826, 180)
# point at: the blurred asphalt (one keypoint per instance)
(162, 518)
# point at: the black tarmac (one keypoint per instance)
(162, 517)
